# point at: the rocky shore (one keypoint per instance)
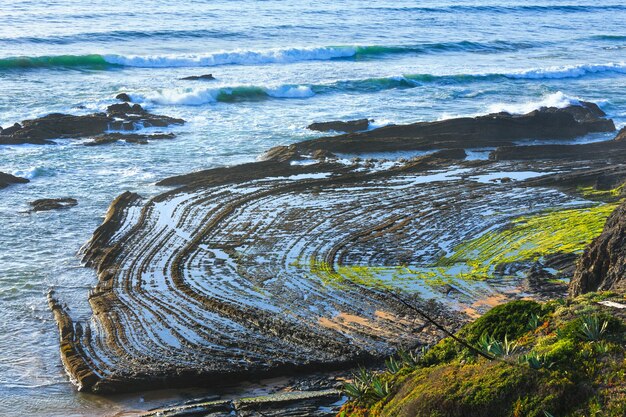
(120, 117)
(291, 264)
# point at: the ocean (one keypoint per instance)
(279, 66)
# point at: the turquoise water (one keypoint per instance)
(279, 66)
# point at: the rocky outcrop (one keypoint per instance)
(493, 130)
(8, 179)
(123, 97)
(205, 77)
(603, 265)
(45, 204)
(292, 264)
(137, 138)
(349, 126)
(120, 116)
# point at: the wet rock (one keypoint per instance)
(500, 129)
(603, 264)
(349, 126)
(322, 154)
(45, 204)
(621, 135)
(120, 116)
(542, 282)
(128, 137)
(205, 77)
(123, 97)
(609, 151)
(8, 179)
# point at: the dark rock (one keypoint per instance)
(121, 116)
(205, 77)
(128, 137)
(609, 151)
(123, 97)
(44, 204)
(541, 282)
(349, 126)
(603, 264)
(500, 129)
(8, 179)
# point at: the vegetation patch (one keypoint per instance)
(562, 359)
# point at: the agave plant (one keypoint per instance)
(536, 361)
(592, 329)
(380, 388)
(533, 322)
(410, 358)
(392, 364)
(491, 345)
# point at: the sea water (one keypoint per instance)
(279, 65)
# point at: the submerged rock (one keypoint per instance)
(44, 204)
(8, 179)
(128, 137)
(603, 265)
(349, 126)
(205, 77)
(120, 116)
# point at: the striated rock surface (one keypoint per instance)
(8, 179)
(120, 116)
(287, 265)
(603, 265)
(349, 126)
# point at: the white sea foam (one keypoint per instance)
(568, 71)
(558, 99)
(200, 96)
(238, 57)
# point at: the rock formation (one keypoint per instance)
(120, 116)
(205, 77)
(283, 264)
(603, 265)
(349, 126)
(500, 129)
(8, 179)
(45, 204)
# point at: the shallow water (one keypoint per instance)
(279, 66)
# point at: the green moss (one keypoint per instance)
(525, 239)
(602, 195)
(530, 238)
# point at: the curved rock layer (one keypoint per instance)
(281, 265)
(271, 274)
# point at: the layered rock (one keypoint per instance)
(603, 265)
(120, 116)
(276, 266)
